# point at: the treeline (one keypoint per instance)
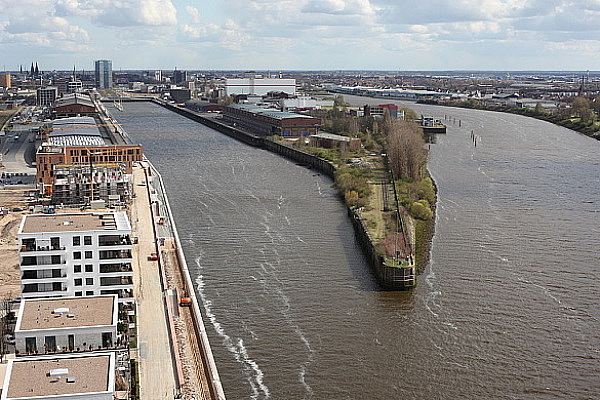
(368, 129)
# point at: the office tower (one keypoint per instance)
(104, 74)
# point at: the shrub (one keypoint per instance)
(420, 209)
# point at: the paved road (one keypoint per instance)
(18, 155)
(154, 352)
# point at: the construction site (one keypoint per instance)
(88, 164)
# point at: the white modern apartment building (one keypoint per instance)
(259, 86)
(73, 377)
(66, 324)
(76, 255)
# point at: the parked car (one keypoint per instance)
(153, 257)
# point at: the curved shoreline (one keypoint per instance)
(526, 112)
(390, 277)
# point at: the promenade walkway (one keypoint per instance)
(154, 351)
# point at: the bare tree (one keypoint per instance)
(406, 150)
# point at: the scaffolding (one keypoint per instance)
(82, 184)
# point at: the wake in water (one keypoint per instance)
(254, 374)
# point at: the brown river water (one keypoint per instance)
(509, 307)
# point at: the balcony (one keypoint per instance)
(116, 281)
(37, 274)
(41, 261)
(115, 268)
(114, 254)
(29, 248)
(43, 289)
(114, 240)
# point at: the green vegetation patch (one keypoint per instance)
(353, 185)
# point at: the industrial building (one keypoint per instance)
(73, 377)
(67, 324)
(264, 121)
(76, 255)
(103, 74)
(259, 86)
(73, 105)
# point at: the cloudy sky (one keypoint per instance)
(302, 34)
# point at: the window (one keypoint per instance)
(89, 293)
(30, 344)
(78, 294)
(87, 240)
(89, 281)
(88, 254)
(78, 281)
(76, 240)
(50, 343)
(76, 268)
(77, 255)
(89, 268)
(106, 339)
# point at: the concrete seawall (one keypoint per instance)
(210, 368)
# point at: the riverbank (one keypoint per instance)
(586, 129)
(395, 269)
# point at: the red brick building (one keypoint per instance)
(73, 105)
(268, 122)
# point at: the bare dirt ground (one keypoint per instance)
(10, 284)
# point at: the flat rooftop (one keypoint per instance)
(49, 223)
(77, 312)
(29, 378)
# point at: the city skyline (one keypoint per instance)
(557, 35)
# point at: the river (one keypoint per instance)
(507, 309)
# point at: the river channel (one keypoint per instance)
(509, 307)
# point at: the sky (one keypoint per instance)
(394, 35)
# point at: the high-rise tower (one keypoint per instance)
(104, 74)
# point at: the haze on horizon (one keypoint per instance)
(552, 35)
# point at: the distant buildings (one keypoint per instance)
(76, 255)
(5, 81)
(378, 111)
(46, 96)
(259, 86)
(103, 70)
(179, 76)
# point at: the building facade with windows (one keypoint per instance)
(66, 325)
(258, 85)
(103, 74)
(46, 96)
(76, 255)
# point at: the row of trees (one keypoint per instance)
(406, 148)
